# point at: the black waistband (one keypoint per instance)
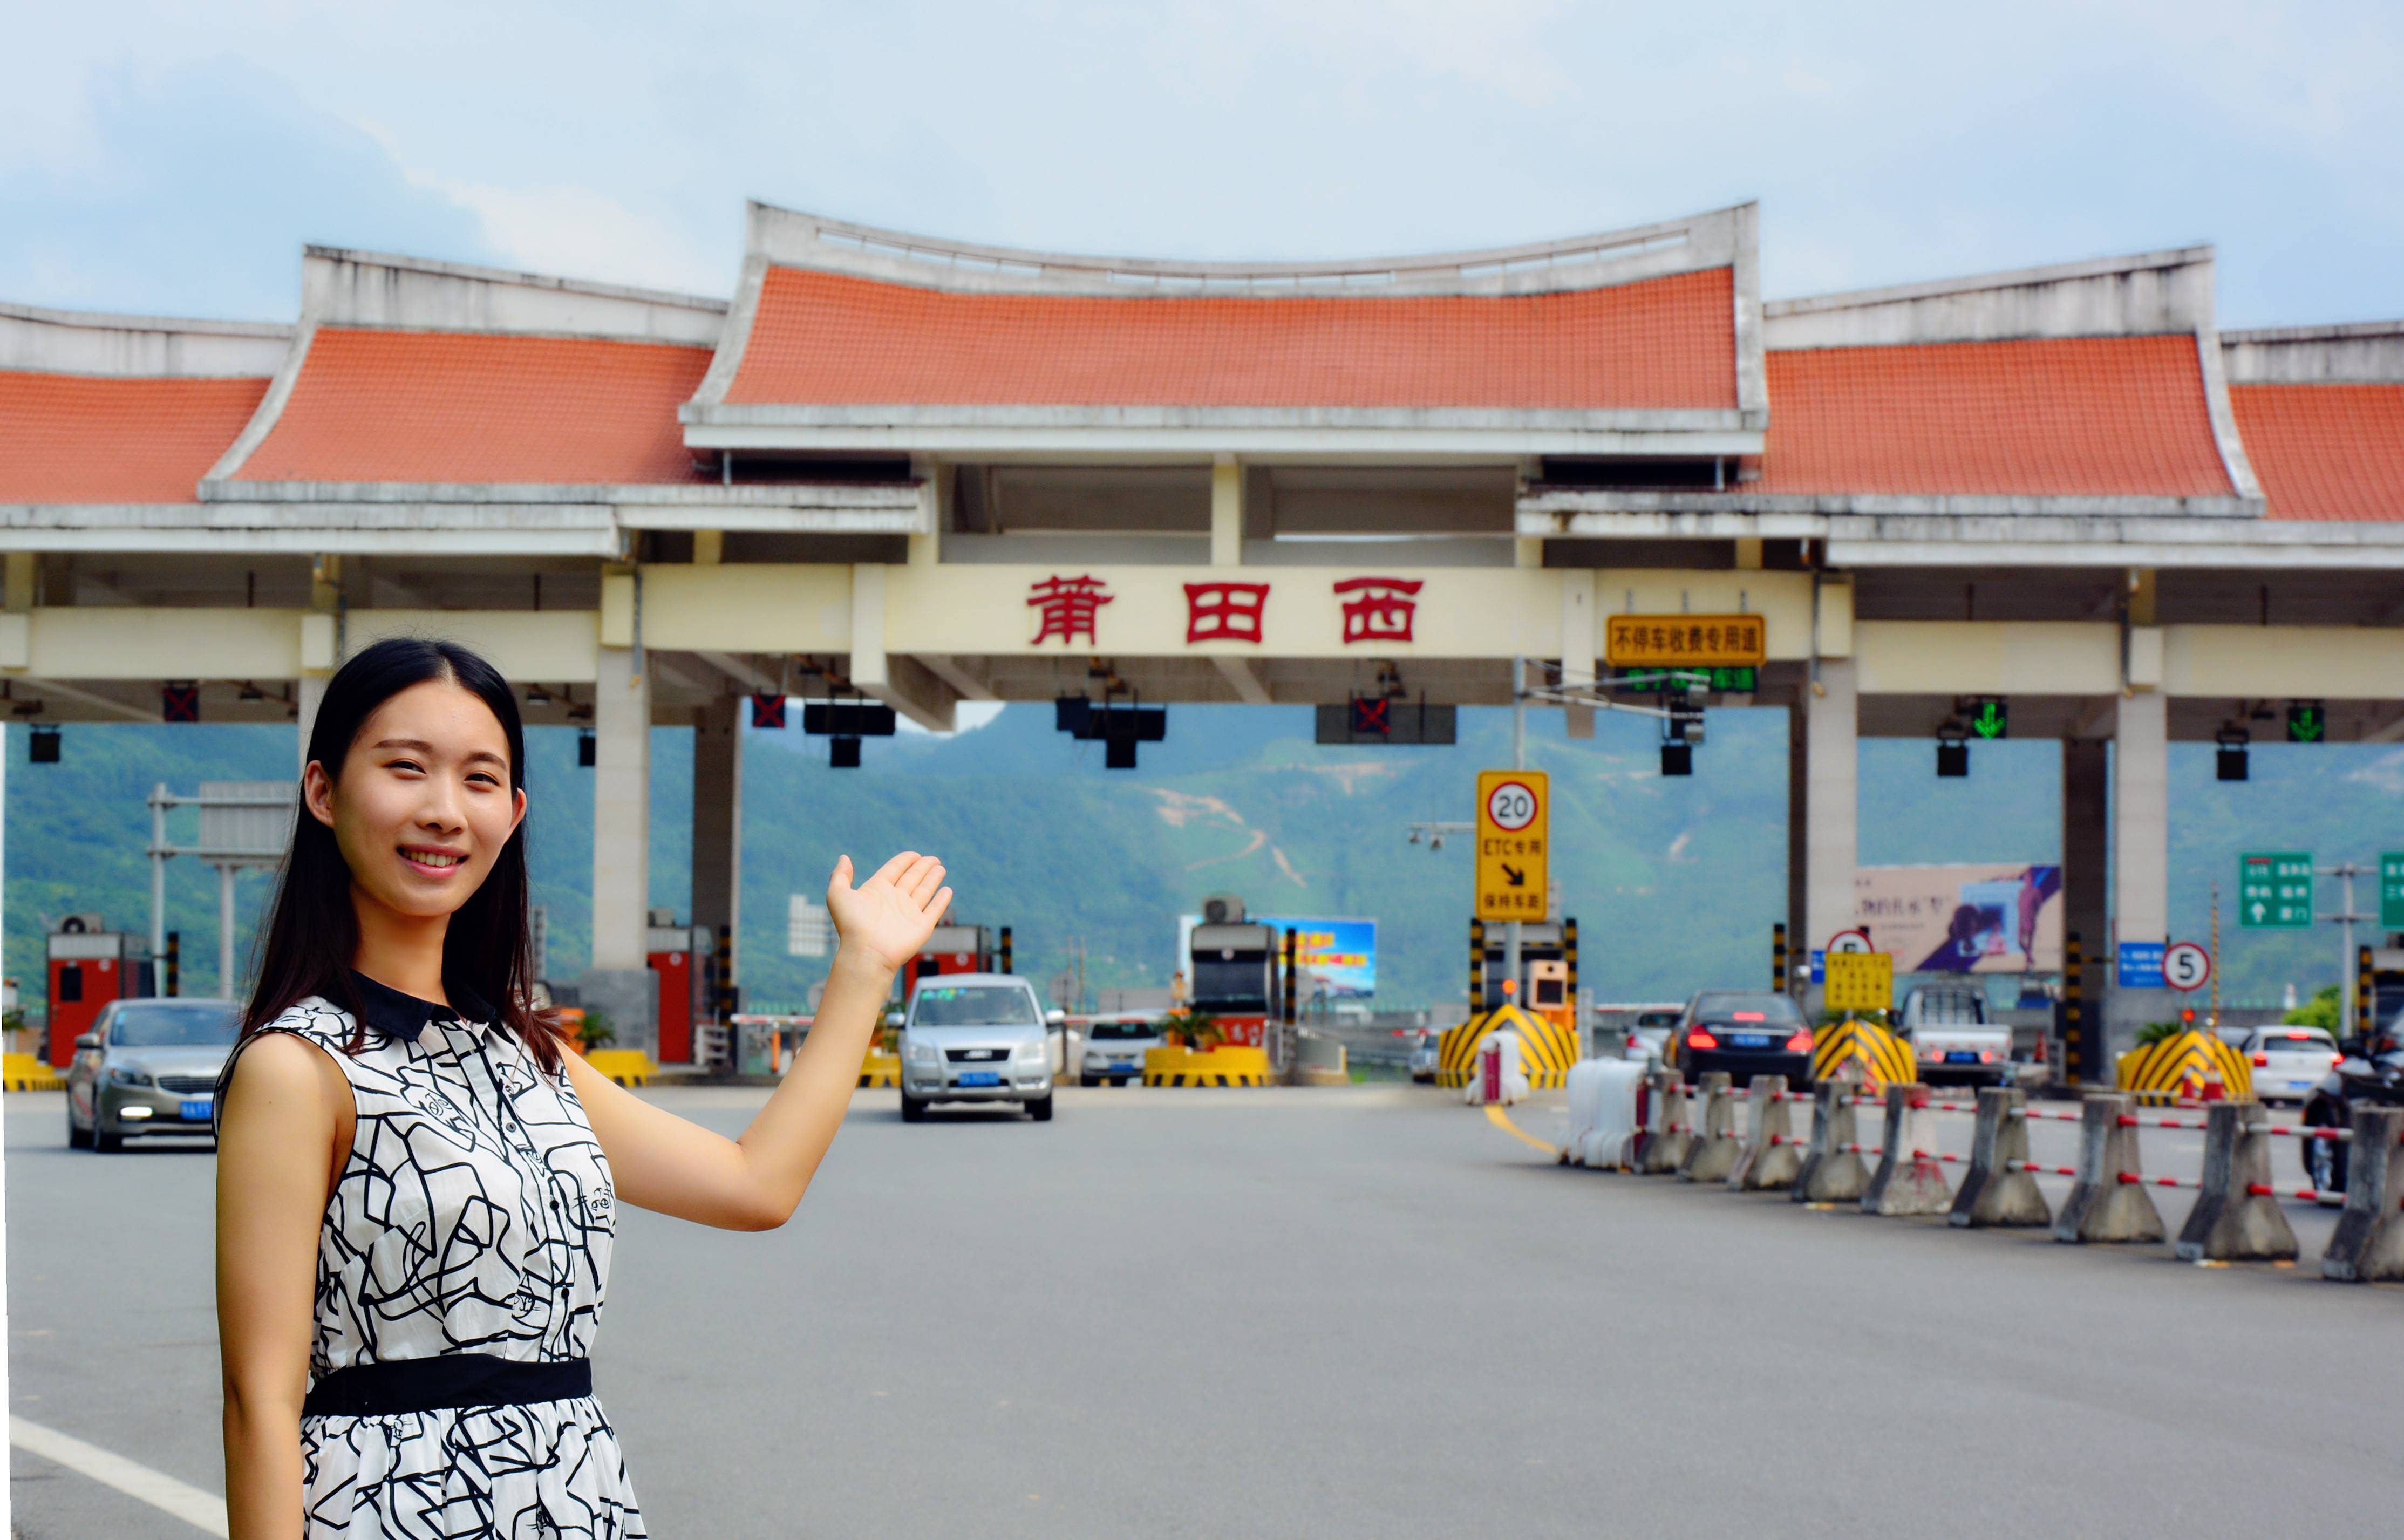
(452, 1380)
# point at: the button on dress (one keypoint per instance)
(474, 1216)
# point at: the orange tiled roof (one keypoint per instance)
(2332, 452)
(2082, 416)
(460, 407)
(821, 339)
(111, 438)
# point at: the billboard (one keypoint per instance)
(1342, 952)
(1963, 919)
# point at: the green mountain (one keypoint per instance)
(1675, 882)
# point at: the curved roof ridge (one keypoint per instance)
(795, 237)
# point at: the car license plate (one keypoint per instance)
(979, 1077)
(196, 1109)
(1750, 1040)
(1961, 1056)
(2300, 1084)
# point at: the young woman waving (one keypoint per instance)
(417, 1186)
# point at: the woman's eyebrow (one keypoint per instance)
(482, 756)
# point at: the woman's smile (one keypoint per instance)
(430, 861)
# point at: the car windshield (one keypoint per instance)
(1121, 1031)
(1663, 1019)
(975, 1005)
(1746, 1010)
(1949, 1008)
(174, 1024)
(1234, 984)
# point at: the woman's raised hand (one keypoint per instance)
(889, 915)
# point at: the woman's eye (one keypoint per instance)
(407, 764)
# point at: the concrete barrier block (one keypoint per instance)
(1771, 1157)
(2102, 1206)
(2369, 1245)
(1909, 1180)
(1831, 1171)
(1667, 1125)
(1601, 1130)
(1992, 1193)
(2236, 1218)
(1713, 1153)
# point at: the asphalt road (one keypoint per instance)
(1357, 1312)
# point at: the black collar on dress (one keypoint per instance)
(397, 1015)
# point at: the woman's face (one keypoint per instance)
(422, 805)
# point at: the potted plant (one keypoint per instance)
(594, 1031)
(1193, 1030)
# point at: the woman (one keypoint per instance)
(415, 1185)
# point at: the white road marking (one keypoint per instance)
(203, 1510)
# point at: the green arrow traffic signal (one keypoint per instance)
(1991, 720)
(2307, 722)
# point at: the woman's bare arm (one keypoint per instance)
(281, 1137)
(661, 1162)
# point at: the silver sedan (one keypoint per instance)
(147, 1066)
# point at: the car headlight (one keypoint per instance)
(923, 1053)
(121, 1075)
(1035, 1049)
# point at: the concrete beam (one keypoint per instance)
(1226, 512)
(959, 673)
(1242, 679)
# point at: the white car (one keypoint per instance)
(1643, 1035)
(1115, 1046)
(1949, 1034)
(2288, 1061)
(980, 1038)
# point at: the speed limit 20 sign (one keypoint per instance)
(1513, 837)
(2186, 965)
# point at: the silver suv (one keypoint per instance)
(976, 1037)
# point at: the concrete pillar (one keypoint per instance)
(1798, 863)
(619, 981)
(1579, 662)
(308, 692)
(2140, 857)
(1832, 802)
(1226, 512)
(717, 822)
(2086, 889)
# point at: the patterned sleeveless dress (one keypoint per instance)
(473, 1217)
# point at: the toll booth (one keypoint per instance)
(91, 965)
(1548, 968)
(960, 949)
(685, 957)
(2378, 985)
(1233, 965)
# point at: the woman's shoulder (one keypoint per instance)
(314, 1017)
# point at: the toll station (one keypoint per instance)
(890, 473)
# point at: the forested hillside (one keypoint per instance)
(1675, 883)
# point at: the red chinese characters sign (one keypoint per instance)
(1225, 612)
(1066, 605)
(1379, 608)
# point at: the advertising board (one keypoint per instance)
(1964, 918)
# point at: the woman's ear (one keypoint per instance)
(317, 794)
(517, 815)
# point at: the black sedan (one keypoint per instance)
(2369, 1073)
(1745, 1032)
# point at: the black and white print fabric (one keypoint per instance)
(474, 1216)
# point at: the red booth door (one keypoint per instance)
(675, 1005)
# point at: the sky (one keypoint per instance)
(172, 158)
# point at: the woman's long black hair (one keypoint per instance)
(313, 933)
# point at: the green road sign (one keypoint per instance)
(2274, 889)
(2307, 722)
(1719, 678)
(1991, 719)
(2391, 889)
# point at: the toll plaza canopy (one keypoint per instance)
(918, 471)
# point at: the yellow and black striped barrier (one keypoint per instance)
(1225, 1065)
(626, 1065)
(2187, 1066)
(1546, 1048)
(1880, 1058)
(27, 1072)
(880, 1071)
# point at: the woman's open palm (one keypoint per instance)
(893, 912)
